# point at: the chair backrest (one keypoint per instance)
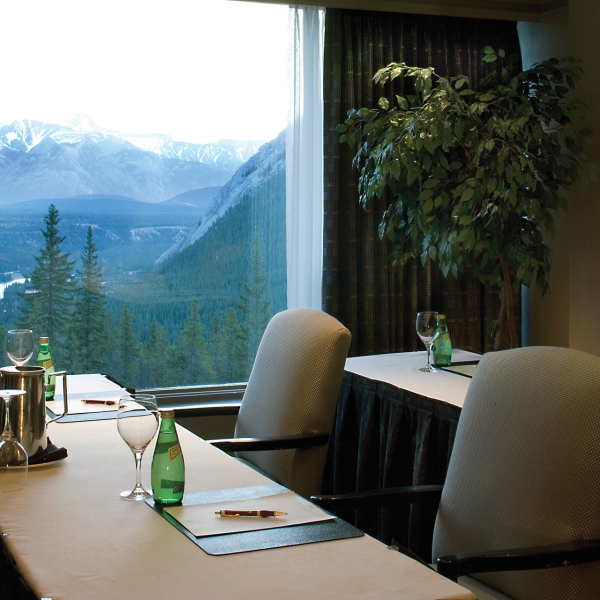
(293, 389)
(525, 468)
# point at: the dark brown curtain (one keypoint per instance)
(376, 301)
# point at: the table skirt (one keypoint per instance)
(384, 437)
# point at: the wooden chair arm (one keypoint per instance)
(209, 409)
(372, 498)
(271, 443)
(519, 559)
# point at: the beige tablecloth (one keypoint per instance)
(402, 371)
(73, 538)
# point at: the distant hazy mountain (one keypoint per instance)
(248, 182)
(93, 204)
(198, 198)
(213, 260)
(41, 160)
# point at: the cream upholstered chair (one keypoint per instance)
(522, 489)
(287, 411)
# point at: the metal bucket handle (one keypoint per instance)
(66, 405)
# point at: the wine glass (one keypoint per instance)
(137, 422)
(13, 456)
(427, 329)
(19, 346)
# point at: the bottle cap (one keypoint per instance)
(442, 316)
(167, 414)
(43, 340)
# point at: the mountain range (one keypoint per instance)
(248, 182)
(42, 160)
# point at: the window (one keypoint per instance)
(150, 136)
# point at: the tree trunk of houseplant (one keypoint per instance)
(506, 330)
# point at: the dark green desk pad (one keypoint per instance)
(79, 417)
(248, 541)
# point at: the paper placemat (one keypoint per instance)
(247, 541)
(202, 519)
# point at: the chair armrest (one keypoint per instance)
(519, 559)
(271, 443)
(208, 409)
(399, 495)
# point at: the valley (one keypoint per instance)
(199, 273)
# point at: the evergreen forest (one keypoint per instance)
(195, 319)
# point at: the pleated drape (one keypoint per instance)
(376, 301)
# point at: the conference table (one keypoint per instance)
(72, 537)
(395, 426)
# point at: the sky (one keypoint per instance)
(198, 70)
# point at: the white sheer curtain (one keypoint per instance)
(304, 162)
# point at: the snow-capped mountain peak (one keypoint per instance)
(45, 160)
(81, 122)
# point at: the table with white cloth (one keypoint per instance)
(71, 536)
(395, 426)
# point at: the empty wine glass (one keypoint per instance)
(19, 346)
(13, 456)
(427, 329)
(137, 422)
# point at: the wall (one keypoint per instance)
(567, 316)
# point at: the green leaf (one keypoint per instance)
(467, 194)
(430, 184)
(501, 53)
(490, 58)
(489, 145)
(341, 128)
(428, 84)
(411, 175)
(428, 207)
(489, 50)
(402, 102)
(465, 220)
(384, 103)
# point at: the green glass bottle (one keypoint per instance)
(442, 346)
(44, 359)
(168, 467)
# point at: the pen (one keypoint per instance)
(111, 402)
(250, 513)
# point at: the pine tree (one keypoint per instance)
(49, 294)
(155, 361)
(128, 350)
(235, 367)
(194, 361)
(2, 336)
(218, 350)
(254, 304)
(88, 347)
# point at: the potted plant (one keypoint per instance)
(474, 178)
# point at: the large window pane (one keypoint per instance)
(142, 184)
